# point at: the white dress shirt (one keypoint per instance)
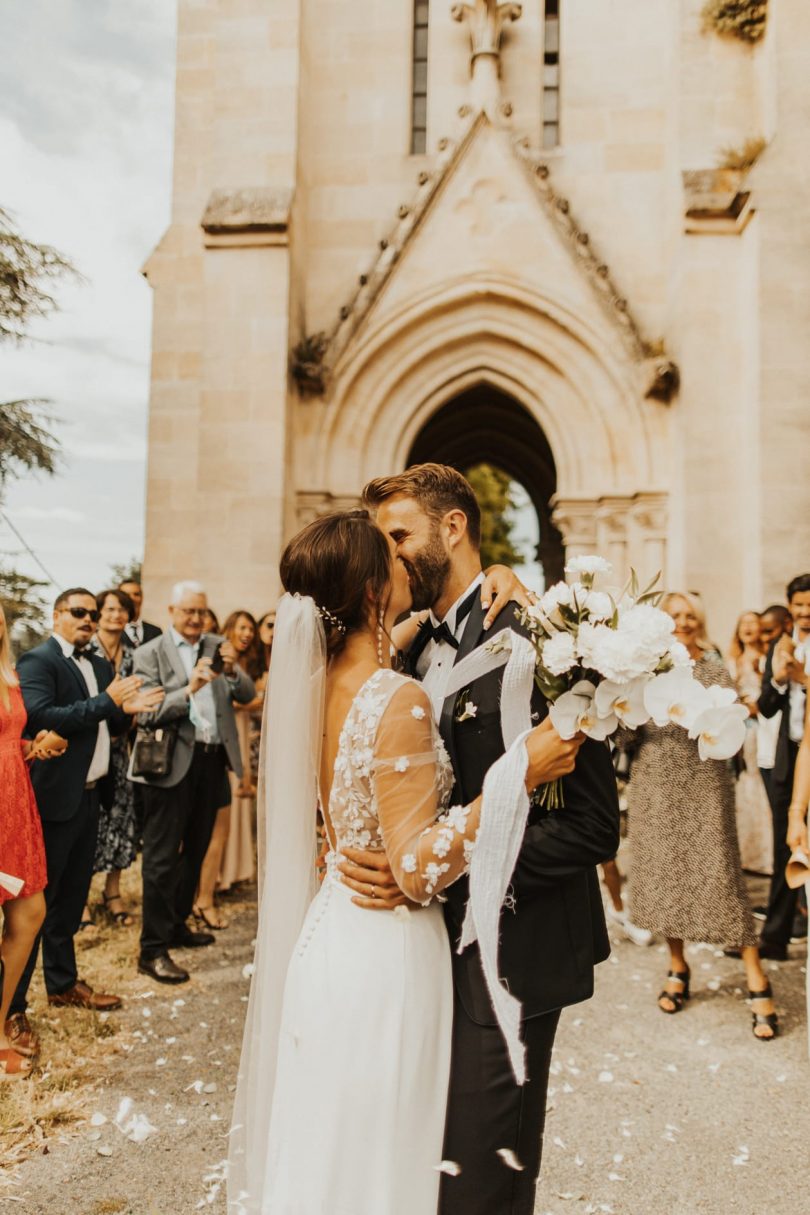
(134, 631)
(100, 763)
(438, 657)
(202, 709)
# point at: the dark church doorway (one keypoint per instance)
(484, 426)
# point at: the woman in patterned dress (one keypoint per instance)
(117, 843)
(22, 858)
(686, 880)
(745, 660)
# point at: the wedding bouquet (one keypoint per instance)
(603, 661)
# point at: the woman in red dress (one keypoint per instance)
(23, 874)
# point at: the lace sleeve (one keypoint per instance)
(427, 849)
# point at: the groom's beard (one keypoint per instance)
(427, 573)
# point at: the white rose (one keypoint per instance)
(590, 566)
(559, 654)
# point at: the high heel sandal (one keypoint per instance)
(771, 1020)
(676, 997)
(201, 915)
(122, 918)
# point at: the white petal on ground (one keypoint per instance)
(450, 1167)
(98, 1119)
(510, 1159)
(248, 970)
(606, 1077)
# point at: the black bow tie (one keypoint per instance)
(78, 653)
(441, 632)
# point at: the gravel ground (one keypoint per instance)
(686, 1114)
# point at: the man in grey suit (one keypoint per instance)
(201, 680)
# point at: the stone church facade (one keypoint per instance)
(486, 231)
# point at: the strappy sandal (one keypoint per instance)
(87, 922)
(770, 1020)
(13, 1065)
(122, 918)
(203, 915)
(677, 998)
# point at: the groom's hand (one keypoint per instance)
(368, 874)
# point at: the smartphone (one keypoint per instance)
(217, 661)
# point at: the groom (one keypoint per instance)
(554, 932)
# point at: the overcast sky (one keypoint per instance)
(86, 116)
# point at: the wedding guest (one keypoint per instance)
(22, 857)
(745, 661)
(210, 622)
(137, 630)
(774, 621)
(229, 858)
(202, 679)
(784, 685)
(117, 844)
(686, 880)
(266, 627)
(69, 689)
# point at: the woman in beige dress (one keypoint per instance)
(686, 880)
(230, 855)
(745, 660)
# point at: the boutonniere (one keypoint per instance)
(465, 709)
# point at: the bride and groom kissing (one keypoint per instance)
(375, 1078)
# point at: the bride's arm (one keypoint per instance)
(499, 581)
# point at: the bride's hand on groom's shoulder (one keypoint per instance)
(550, 756)
(369, 876)
(500, 587)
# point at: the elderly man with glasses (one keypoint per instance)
(70, 690)
(202, 680)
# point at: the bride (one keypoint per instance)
(342, 1089)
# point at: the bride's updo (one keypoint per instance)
(334, 560)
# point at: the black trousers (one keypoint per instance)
(70, 849)
(487, 1111)
(177, 826)
(778, 926)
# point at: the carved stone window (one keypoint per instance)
(419, 78)
(551, 74)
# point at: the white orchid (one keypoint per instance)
(575, 712)
(720, 729)
(624, 701)
(675, 698)
(588, 566)
(559, 654)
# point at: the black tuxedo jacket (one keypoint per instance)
(556, 933)
(57, 698)
(770, 703)
(150, 632)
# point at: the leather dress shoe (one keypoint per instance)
(21, 1035)
(184, 938)
(80, 995)
(163, 968)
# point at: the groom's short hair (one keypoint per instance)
(437, 488)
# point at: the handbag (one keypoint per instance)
(153, 751)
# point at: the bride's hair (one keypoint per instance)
(334, 560)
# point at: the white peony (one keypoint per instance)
(590, 566)
(559, 654)
(595, 604)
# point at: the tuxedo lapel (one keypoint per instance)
(469, 640)
(72, 667)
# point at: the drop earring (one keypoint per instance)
(380, 638)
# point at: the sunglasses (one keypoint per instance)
(79, 613)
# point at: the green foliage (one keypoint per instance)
(743, 19)
(126, 571)
(25, 607)
(26, 270)
(742, 158)
(26, 445)
(493, 489)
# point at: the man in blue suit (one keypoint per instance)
(68, 689)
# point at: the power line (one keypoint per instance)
(30, 551)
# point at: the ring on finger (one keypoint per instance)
(374, 892)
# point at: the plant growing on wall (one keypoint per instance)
(744, 157)
(743, 19)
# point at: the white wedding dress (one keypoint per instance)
(358, 1107)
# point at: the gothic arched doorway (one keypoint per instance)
(484, 424)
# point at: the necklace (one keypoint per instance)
(112, 658)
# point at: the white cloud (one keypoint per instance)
(85, 143)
